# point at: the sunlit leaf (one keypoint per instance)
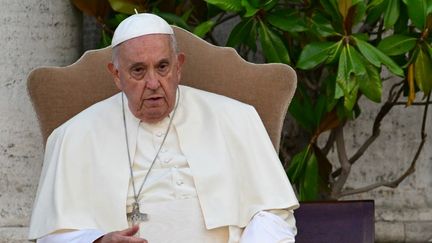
(344, 6)
(355, 61)
(376, 57)
(417, 11)
(391, 13)
(397, 45)
(316, 53)
(227, 5)
(350, 66)
(202, 29)
(273, 47)
(423, 72)
(250, 10)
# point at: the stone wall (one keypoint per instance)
(403, 214)
(32, 33)
(47, 32)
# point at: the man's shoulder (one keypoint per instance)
(93, 116)
(213, 100)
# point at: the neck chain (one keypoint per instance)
(136, 216)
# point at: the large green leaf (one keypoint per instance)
(302, 109)
(240, 32)
(202, 29)
(250, 10)
(397, 44)
(105, 40)
(375, 10)
(356, 61)
(391, 13)
(174, 19)
(309, 184)
(331, 8)
(287, 21)
(376, 57)
(371, 84)
(344, 6)
(227, 5)
(423, 71)
(360, 11)
(273, 47)
(322, 26)
(417, 11)
(297, 164)
(316, 53)
(350, 66)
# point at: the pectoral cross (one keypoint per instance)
(136, 217)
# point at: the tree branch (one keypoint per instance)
(376, 128)
(329, 143)
(343, 160)
(409, 171)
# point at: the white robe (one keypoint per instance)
(85, 177)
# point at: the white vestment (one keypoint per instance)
(85, 177)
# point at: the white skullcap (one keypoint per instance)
(138, 25)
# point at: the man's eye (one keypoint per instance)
(163, 67)
(138, 70)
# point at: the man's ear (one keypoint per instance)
(115, 74)
(180, 60)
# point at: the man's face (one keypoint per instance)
(148, 72)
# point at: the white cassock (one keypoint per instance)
(216, 170)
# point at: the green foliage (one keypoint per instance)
(338, 46)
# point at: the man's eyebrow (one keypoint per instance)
(164, 60)
(136, 64)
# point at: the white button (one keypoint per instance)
(167, 160)
(159, 134)
(179, 182)
(164, 150)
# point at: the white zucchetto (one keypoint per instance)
(138, 25)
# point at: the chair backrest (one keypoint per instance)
(341, 221)
(58, 93)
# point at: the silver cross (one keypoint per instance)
(136, 217)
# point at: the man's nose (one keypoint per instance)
(152, 81)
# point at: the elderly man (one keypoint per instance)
(161, 162)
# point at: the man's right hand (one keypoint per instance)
(124, 236)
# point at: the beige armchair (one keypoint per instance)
(58, 93)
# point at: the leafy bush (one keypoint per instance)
(339, 49)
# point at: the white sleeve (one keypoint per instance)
(77, 236)
(276, 226)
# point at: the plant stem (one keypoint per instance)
(409, 171)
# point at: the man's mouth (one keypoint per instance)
(150, 102)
